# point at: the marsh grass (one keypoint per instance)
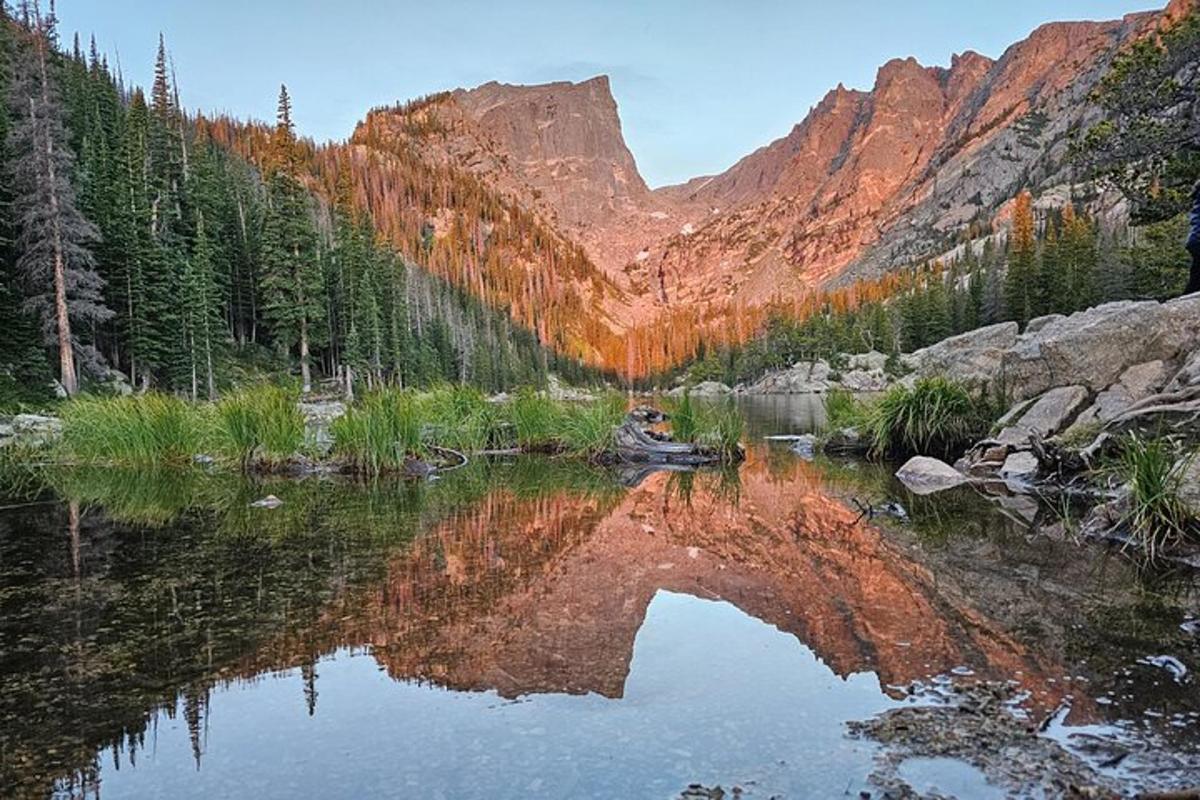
(380, 433)
(844, 410)
(589, 429)
(684, 418)
(716, 425)
(719, 427)
(535, 419)
(936, 417)
(141, 430)
(259, 426)
(1154, 471)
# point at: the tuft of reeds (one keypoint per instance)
(381, 432)
(717, 425)
(259, 426)
(936, 417)
(536, 420)
(1154, 471)
(459, 418)
(844, 410)
(142, 430)
(589, 429)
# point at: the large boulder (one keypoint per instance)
(922, 476)
(1189, 490)
(1189, 374)
(1095, 347)
(1051, 414)
(972, 357)
(30, 430)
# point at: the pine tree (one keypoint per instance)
(292, 285)
(1079, 258)
(1053, 290)
(202, 323)
(1022, 260)
(55, 239)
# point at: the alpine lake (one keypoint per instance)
(532, 627)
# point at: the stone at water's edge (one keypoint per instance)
(866, 373)
(924, 476)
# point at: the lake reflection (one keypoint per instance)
(712, 695)
(533, 628)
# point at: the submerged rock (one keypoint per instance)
(805, 446)
(979, 727)
(925, 476)
(269, 502)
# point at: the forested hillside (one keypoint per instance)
(167, 249)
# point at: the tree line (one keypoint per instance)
(133, 238)
(1058, 262)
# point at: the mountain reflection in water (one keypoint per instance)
(525, 628)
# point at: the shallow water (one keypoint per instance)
(537, 628)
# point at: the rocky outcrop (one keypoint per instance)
(1124, 348)
(1083, 381)
(705, 389)
(866, 373)
(1094, 348)
(29, 430)
(1051, 414)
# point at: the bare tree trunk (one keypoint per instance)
(208, 359)
(305, 370)
(66, 353)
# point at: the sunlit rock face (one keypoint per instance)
(868, 181)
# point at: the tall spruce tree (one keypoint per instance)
(55, 239)
(292, 285)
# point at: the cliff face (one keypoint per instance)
(868, 181)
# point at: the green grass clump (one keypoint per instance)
(460, 418)
(536, 420)
(844, 410)
(717, 426)
(379, 433)
(1158, 518)
(588, 429)
(684, 415)
(936, 417)
(261, 425)
(143, 430)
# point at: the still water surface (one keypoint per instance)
(536, 628)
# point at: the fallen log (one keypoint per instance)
(635, 446)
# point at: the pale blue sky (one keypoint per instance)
(699, 83)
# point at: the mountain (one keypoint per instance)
(868, 181)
